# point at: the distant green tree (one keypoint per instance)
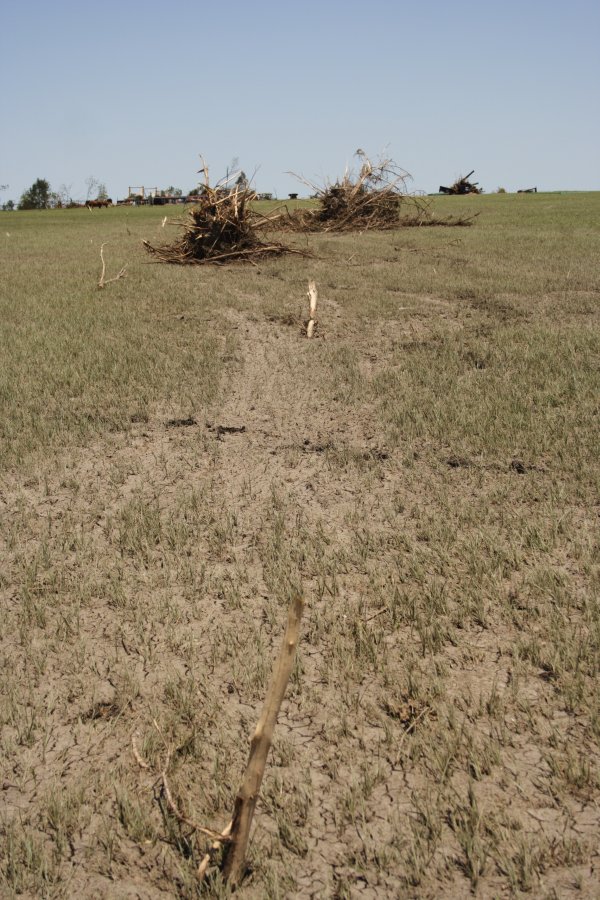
(172, 191)
(102, 192)
(8, 206)
(37, 197)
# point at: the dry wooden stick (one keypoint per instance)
(312, 302)
(217, 837)
(173, 808)
(121, 274)
(138, 756)
(216, 845)
(245, 802)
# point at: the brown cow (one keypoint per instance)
(98, 204)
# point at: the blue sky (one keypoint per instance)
(132, 92)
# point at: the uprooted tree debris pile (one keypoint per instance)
(374, 198)
(221, 228)
(462, 185)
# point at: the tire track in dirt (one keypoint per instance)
(289, 428)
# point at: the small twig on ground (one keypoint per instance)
(216, 845)
(138, 756)
(173, 808)
(102, 282)
(176, 812)
(385, 609)
(217, 837)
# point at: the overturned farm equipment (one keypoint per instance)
(462, 185)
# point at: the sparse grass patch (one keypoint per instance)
(178, 459)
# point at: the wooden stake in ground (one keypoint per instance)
(312, 314)
(245, 802)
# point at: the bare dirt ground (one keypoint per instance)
(439, 736)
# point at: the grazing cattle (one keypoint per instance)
(98, 204)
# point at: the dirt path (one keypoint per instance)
(146, 590)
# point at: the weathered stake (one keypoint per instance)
(245, 802)
(312, 308)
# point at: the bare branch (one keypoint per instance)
(104, 281)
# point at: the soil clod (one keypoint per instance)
(181, 423)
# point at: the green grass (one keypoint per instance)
(80, 361)
(426, 472)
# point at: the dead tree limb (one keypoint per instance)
(103, 281)
(245, 802)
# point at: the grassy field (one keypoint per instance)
(425, 471)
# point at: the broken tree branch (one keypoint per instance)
(312, 309)
(102, 280)
(216, 845)
(235, 850)
(176, 812)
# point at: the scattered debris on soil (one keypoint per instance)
(458, 462)
(220, 430)
(104, 709)
(462, 185)
(181, 423)
(221, 228)
(517, 465)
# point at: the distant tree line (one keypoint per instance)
(41, 196)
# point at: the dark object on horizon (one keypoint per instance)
(527, 191)
(462, 185)
(293, 196)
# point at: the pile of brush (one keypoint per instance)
(359, 201)
(374, 198)
(221, 228)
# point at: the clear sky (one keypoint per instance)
(131, 92)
